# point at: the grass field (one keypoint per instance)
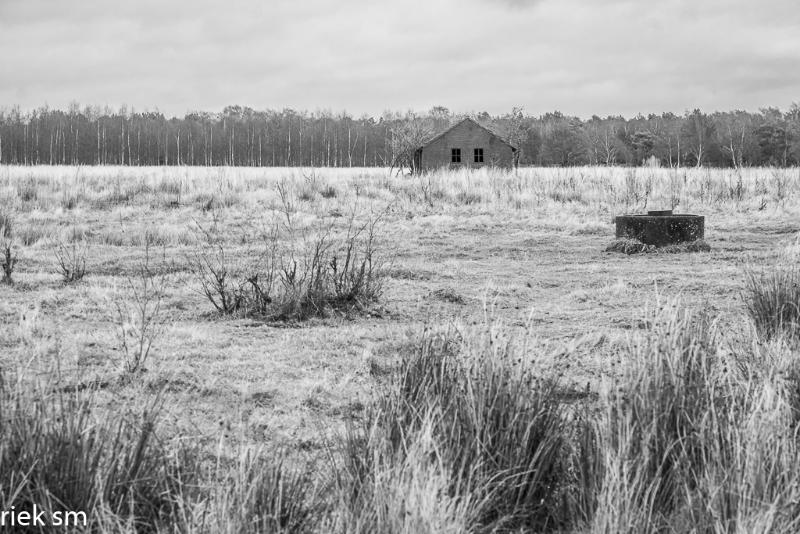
(518, 255)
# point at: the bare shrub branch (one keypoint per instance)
(285, 273)
(71, 259)
(7, 249)
(139, 314)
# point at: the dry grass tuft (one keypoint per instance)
(448, 294)
(491, 438)
(698, 245)
(629, 246)
(634, 246)
(772, 299)
(58, 452)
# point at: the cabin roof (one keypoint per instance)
(476, 123)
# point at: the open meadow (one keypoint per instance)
(352, 350)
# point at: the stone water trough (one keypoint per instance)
(661, 228)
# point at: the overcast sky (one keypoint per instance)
(581, 57)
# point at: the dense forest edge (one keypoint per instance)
(242, 136)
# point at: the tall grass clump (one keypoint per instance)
(109, 465)
(698, 437)
(772, 298)
(491, 438)
(263, 493)
(58, 452)
(378, 488)
(656, 433)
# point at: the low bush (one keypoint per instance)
(9, 260)
(9, 256)
(8, 250)
(341, 275)
(232, 285)
(275, 278)
(71, 259)
(139, 317)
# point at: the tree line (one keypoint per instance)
(246, 137)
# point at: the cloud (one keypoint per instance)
(518, 3)
(579, 56)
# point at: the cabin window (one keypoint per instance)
(478, 155)
(455, 155)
